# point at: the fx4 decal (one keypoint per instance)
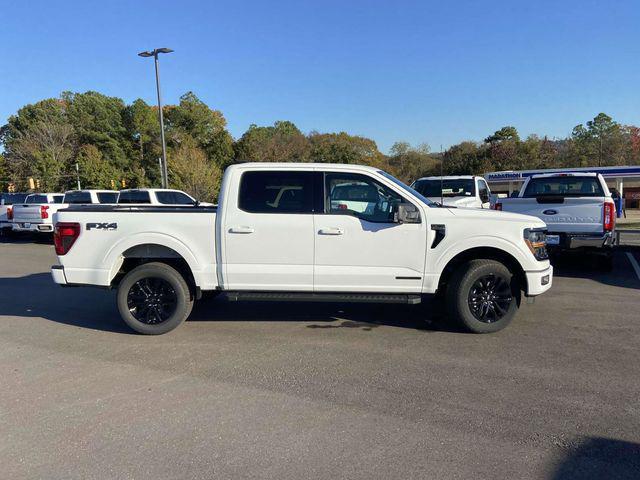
(102, 226)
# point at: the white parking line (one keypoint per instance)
(634, 264)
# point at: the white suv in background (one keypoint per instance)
(90, 197)
(155, 196)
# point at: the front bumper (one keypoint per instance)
(539, 282)
(32, 227)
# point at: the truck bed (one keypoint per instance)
(107, 230)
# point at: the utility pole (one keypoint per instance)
(154, 54)
(441, 176)
(78, 176)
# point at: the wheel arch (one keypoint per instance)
(141, 254)
(476, 253)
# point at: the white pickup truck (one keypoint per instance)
(455, 191)
(36, 213)
(284, 232)
(577, 208)
(155, 196)
(7, 200)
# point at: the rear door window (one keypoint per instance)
(77, 197)
(134, 196)
(107, 197)
(36, 199)
(569, 186)
(276, 192)
(57, 199)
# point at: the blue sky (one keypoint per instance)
(418, 71)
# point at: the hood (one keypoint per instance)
(483, 213)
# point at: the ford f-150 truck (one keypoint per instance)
(304, 232)
(455, 191)
(577, 208)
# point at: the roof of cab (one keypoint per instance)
(301, 166)
(568, 174)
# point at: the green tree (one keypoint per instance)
(409, 163)
(206, 126)
(99, 120)
(343, 148)
(600, 142)
(505, 133)
(192, 171)
(95, 171)
(282, 142)
(143, 129)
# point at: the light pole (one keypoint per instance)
(154, 54)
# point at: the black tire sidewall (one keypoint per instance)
(174, 278)
(458, 298)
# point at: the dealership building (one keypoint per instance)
(624, 179)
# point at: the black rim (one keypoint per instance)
(490, 298)
(152, 300)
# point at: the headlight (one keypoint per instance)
(536, 240)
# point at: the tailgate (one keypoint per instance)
(26, 213)
(562, 214)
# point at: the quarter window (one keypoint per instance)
(173, 198)
(276, 192)
(360, 196)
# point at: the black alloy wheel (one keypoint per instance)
(152, 300)
(490, 298)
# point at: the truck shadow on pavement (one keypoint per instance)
(600, 458)
(36, 296)
(575, 265)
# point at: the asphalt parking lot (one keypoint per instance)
(253, 390)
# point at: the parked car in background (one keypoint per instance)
(7, 200)
(74, 197)
(577, 208)
(304, 232)
(455, 191)
(36, 213)
(155, 196)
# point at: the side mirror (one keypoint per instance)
(484, 196)
(407, 213)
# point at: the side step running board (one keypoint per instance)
(410, 299)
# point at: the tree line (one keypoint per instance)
(118, 144)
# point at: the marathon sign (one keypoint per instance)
(496, 177)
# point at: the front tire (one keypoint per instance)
(154, 298)
(483, 296)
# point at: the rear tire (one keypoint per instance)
(482, 296)
(154, 298)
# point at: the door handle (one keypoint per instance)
(241, 230)
(331, 231)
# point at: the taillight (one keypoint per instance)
(9, 213)
(609, 216)
(64, 236)
(44, 211)
(498, 206)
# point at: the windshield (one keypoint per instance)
(458, 187)
(569, 186)
(407, 188)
